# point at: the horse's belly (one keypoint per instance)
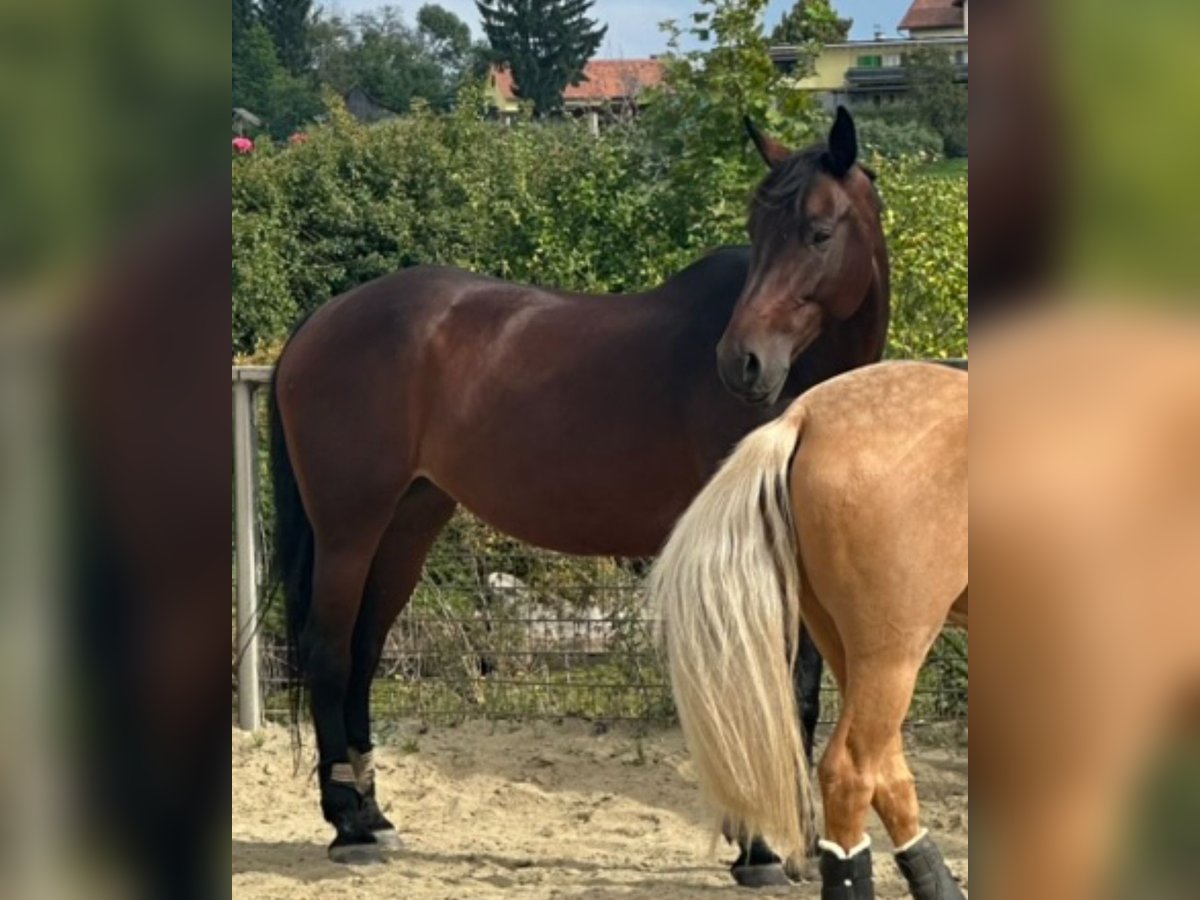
(556, 506)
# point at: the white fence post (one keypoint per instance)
(245, 477)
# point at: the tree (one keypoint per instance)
(255, 69)
(290, 23)
(391, 61)
(545, 43)
(695, 120)
(448, 40)
(446, 35)
(811, 21)
(260, 84)
(939, 99)
(244, 16)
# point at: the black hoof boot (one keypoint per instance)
(923, 868)
(372, 818)
(758, 867)
(353, 847)
(370, 815)
(846, 876)
(354, 844)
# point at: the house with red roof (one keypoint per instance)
(935, 18)
(611, 89)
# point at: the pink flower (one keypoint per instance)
(298, 138)
(243, 145)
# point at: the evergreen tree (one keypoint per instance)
(290, 22)
(255, 70)
(260, 84)
(545, 43)
(243, 17)
(811, 20)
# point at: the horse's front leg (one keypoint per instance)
(757, 865)
(806, 676)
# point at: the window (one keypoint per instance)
(870, 62)
(892, 59)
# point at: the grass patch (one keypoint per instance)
(945, 168)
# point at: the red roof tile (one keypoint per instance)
(933, 14)
(604, 79)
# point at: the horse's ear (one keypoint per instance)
(772, 152)
(843, 143)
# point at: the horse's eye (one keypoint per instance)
(821, 236)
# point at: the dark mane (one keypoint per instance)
(782, 193)
(786, 186)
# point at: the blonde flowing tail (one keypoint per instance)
(727, 591)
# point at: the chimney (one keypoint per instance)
(879, 35)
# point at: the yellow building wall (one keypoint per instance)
(830, 74)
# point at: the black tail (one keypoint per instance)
(293, 563)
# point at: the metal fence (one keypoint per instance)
(498, 629)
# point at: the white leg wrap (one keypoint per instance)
(364, 768)
(908, 845)
(343, 773)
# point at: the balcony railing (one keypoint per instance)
(889, 76)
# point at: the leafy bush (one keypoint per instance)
(544, 203)
(926, 225)
(904, 140)
(536, 202)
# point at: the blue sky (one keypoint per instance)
(633, 24)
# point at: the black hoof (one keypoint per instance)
(801, 868)
(361, 851)
(388, 840)
(355, 853)
(770, 875)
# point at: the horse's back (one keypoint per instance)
(883, 412)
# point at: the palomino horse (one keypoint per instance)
(849, 514)
(583, 424)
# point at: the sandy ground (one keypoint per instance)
(528, 811)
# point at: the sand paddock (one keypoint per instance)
(526, 811)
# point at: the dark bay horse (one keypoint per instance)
(583, 424)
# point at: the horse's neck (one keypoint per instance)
(703, 297)
(858, 341)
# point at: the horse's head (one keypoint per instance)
(814, 229)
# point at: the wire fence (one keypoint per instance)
(497, 629)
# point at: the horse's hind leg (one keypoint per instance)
(875, 696)
(863, 766)
(918, 857)
(420, 516)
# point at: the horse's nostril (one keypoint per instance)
(751, 369)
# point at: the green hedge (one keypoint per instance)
(899, 140)
(543, 203)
